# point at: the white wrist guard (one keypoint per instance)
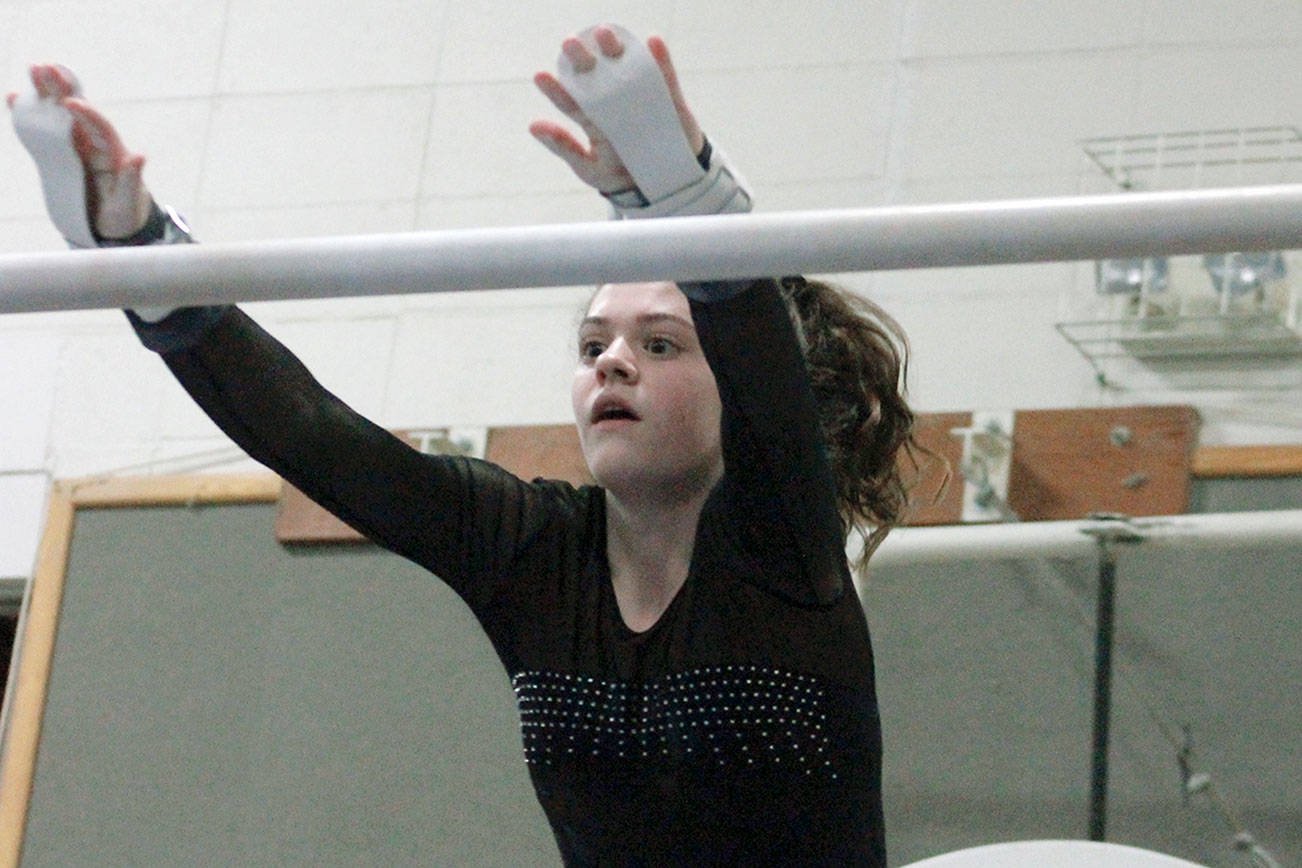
(718, 190)
(627, 99)
(45, 129)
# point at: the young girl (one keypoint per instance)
(691, 663)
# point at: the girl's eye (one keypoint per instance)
(590, 349)
(660, 347)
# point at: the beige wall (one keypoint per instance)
(294, 118)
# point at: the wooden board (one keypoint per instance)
(1221, 462)
(1067, 464)
(935, 486)
(533, 451)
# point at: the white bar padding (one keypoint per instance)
(1078, 539)
(45, 129)
(628, 100)
(721, 247)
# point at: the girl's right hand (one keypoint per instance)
(117, 201)
(597, 164)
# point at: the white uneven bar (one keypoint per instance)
(684, 248)
(1074, 539)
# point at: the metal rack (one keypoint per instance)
(1232, 307)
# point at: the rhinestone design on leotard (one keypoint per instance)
(729, 715)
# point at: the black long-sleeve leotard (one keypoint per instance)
(742, 727)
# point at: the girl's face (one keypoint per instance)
(645, 400)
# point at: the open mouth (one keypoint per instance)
(609, 409)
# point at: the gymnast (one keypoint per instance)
(691, 663)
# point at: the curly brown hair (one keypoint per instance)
(857, 356)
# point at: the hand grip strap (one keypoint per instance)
(45, 129)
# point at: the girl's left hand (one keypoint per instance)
(117, 201)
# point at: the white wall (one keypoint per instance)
(331, 117)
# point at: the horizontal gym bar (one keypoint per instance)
(680, 249)
(1074, 539)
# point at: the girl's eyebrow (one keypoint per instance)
(641, 319)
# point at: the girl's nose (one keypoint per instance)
(617, 362)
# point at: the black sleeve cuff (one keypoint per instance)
(707, 151)
(633, 198)
(179, 330)
(709, 291)
(152, 232)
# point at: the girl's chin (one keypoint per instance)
(620, 473)
(631, 478)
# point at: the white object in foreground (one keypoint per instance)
(1058, 854)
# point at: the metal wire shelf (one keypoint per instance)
(1217, 157)
(1170, 338)
(1174, 314)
